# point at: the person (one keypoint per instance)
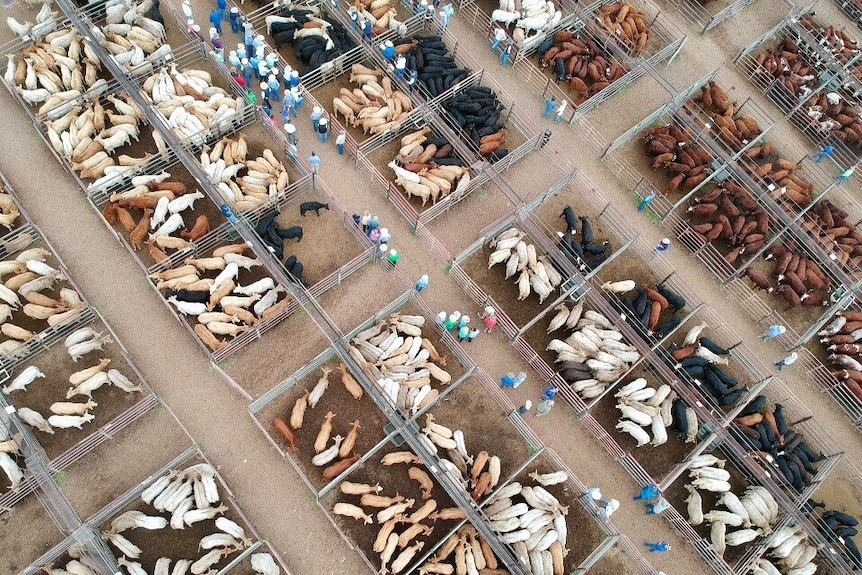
(441, 318)
(215, 19)
(388, 49)
(354, 16)
(298, 101)
(316, 115)
(499, 37)
(196, 30)
(550, 106)
(594, 495)
(286, 76)
(649, 492)
(400, 67)
(525, 409)
(267, 108)
(233, 18)
(787, 361)
(773, 332)
(490, 322)
(234, 73)
(463, 332)
(259, 42)
(444, 21)
(233, 59)
(356, 219)
(822, 154)
(429, 16)
(365, 221)
(314, 160)
(367, 30)
(657, 507)
(519, 379)
(506, 54)
(290, 130)
(474, 333)
(551, 392)
(393, 258)
(339, 142)
(663, 246)
(645, 202)
(609, 507)
(508, 380)
(374, 223)
(241, 52)
(660, 547)
(187, 12)
(250, 95)
(381, 251)
(374, 236)
(452, 320)
(544, 407)
(412, 78)
(287, 103)
(213, 33)
(248, 36)
(561, 109)
(546, 137)
(465, 319)
(273, 84)
(323, 130)
(246, 72)
(422, 283)
(845, 175)
(218, 50)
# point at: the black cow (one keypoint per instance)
(312, 206)
(571, 219)
(293, 232)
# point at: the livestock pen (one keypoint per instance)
(374, 156)
(471, 270)
(796, 102)
(177, 544)
(704, 16)
(491, 433)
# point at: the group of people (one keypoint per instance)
(379, 236)
(555, 109)
(459, 325)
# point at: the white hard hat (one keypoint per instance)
(196, 28)
(425, 277)
(263, 86)
(295, 73)
(383, 247)
(270, 77)
(665, 242)
(234, 9)
(596, 494)
(489, 310)
(393, 252)
(294, 91)
(323, 121)
(245, 60)
(316, 110)
(384, 231)
(528, 404)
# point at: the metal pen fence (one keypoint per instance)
(95, 523)
(794, 105)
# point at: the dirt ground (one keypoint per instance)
(29, 530)
(657, 461)
(335, 400)
(174, 543)
(395, 481)
(246, 460)
(326, 243)
(57, 367)
(584, 534)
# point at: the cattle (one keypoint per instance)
(305, 207)
(293, 232)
